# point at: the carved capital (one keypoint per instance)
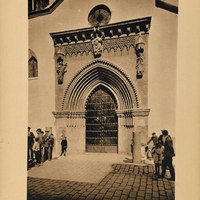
(141, 112)
(69, 114)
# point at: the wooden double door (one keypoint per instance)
(101, 122)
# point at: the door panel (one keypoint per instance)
(101, 122)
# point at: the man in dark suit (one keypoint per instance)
(30, 143)
(168, 155)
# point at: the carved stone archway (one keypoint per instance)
(95, 73)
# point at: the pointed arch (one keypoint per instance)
(100, 72)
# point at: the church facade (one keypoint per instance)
(94, 83)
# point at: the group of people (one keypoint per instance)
(40, 148)
(162, 153)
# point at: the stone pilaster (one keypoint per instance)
(140, 132)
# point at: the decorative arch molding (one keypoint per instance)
(96, 73)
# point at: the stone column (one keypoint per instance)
(140, 132)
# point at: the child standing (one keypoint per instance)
(63, 145)
(36, 150)
(157, 153)
(143, 153)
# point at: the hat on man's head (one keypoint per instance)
(164, 132)
(29, 127)
(153, 133)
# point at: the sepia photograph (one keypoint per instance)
(99, 99)
(102, 78)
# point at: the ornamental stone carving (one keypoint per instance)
(139, 48)
(97, 42)
(61, 66)
(116, 37)
(108, 44)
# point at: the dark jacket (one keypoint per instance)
(169, 149)
(31, 139)
(64, 143)
(51, 142)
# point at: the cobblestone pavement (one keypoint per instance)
(124, 182)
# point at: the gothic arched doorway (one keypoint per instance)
(101, 121)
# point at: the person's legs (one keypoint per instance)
(164, 166)
(171, 168)
(28, 153)
(37, 156)
(31, 150)
(157, 168)
(49, 153)
(65, 151)
(42, 154)
(62, 150)
(46, 154)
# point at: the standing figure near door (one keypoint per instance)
(63, 145)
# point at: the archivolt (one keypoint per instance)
(96, 73)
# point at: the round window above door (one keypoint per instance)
(99, 15)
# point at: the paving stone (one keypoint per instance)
(103, 191)
(162, 193)
(85, 194)
(142, 188)
(141, 194)
(155, 189)
(76, 196)
(115, 198)
(140, 198)
(109, 195)
(112, 189)
(122, 185)
(124, 197)
(117, 193)
(132, 194)
(155, 194)
(90, 197)
(163, 197)
(121, 188)
(126, 192)
(148, 190)
(99, 197)
(128, 187)
(95, 192)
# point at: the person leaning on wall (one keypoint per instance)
(30, 144)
